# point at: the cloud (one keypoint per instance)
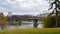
(32, 7)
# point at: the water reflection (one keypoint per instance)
(24, 25)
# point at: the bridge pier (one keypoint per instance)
(35, 23)
(19, 23)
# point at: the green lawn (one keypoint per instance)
(32, 31)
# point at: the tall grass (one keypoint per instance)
(32, 31)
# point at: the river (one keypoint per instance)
(25, 25)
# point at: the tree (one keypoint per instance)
(56, 9)
(3, 22)
(49, 21)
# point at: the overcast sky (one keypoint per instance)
(32, 7)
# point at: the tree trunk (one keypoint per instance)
(56, 13)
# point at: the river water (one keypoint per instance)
(24, 25)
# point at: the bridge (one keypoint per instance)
(26, 18)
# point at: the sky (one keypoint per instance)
(21, 7)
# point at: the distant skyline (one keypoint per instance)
(32, 7)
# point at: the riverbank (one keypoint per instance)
(32, 31)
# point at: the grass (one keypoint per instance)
(32, 31)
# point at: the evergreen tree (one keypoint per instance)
(55, 10)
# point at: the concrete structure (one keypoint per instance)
(9, 14)
(20, 18)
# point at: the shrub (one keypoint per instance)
(50, 21)
(3, 22)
